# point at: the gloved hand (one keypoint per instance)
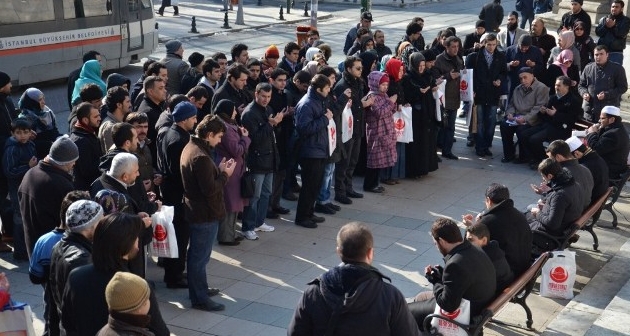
(435, 275)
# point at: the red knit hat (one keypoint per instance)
(272, 52)
(384, 79)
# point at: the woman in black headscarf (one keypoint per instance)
(418, 86)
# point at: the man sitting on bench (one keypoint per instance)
(478, 235)
(560, 152)
(507, 225)
(590, 159)
(563, 203)
(610, 139)
(467, 274)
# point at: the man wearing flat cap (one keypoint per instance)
(366, 22)
(521, 114)
(610, 139)
(175, 66)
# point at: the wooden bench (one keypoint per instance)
(617, 184)
(582, 223)
(517, 292)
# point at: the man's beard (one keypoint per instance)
(512, 26)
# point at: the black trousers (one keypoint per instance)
(174, 267)
(277, 189)
(344, 169)
(507, 137)
(421, 309)
(312, 175)
(370, 181)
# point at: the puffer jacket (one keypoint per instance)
(311, 125)
(563, 205)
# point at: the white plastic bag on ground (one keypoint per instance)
(558, 275)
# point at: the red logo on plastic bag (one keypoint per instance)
(463, 85)
(159, 233)
(399, 124)
(451, 315)
(559, 274)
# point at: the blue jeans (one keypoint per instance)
(254, 214)
(324, 191)
(202, 236)
(615, 56)
(486, 122)
(19, 244)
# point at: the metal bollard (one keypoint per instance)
(288, 6)
(281, 14)
(193, 26)
(226, 25)
(306, 9)
(259, 3)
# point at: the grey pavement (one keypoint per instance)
(261, 281)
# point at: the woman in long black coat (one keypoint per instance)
(418, 88)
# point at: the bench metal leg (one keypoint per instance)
(609, 207)
(590, 230)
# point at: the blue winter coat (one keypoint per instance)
(311, 125)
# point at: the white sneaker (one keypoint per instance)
(250, 235)
(265, 228)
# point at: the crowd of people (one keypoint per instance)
(223, 138)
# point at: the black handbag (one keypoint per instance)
(248, 184)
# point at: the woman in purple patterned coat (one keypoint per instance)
(233, 145)
(380, 133)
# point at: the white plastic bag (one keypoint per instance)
(347, 124)
(332, 136)
(438, 95)
(558, 275)
(402, 125)
(16, 319)
(164, 243)
(461, 315)
(466, 85)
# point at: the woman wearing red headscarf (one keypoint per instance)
(395, 69)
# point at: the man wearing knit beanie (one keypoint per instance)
(44, 187)
(7, 111)
(127, 297)
(169, 149)
(194, 73)
(75, 248)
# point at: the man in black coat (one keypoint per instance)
(234, 89)
(262, 159)
(366, 305)
(492, 13)
(84, 136)
(84, 309)
(153, 105)
(610, 139)
(590, 159)
(487, 80)
(468, 274)
(75, 248)
(7, 113)
(44, 187)
(508, 226)
(344, 169)
(472, 41)
(574, 15)
(170, 146)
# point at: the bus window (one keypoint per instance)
(133, 5)
(84, 8)
(26, 11)
(146, 4)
